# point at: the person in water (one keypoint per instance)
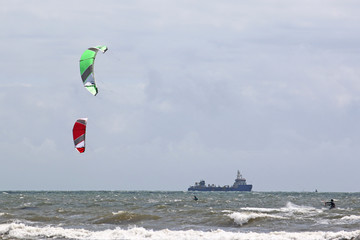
(331, 204)
(195, 198)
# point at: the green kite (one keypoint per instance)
(87, 68)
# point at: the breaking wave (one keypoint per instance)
(351, 219)
(290, 211)
(22, 231)
(246, 217)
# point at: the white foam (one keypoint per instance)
(289, 208)
(226, 211)
(245, 217)
(287, 212)
(22, 231)
(351, 219)
(118, 212)
(260, 209)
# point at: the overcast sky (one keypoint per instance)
(188, 90)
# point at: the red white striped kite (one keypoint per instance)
(79, 131)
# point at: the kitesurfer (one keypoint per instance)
(331, 204)
(195, 198)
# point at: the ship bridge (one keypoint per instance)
(239, 180)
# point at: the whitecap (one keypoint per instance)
(22, 231)
(244, 217)
(226, 211)
(118, 212)
(351, 218)
(260, 209)
(289, 210)
(292, 208)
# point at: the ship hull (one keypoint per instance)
(241, 188)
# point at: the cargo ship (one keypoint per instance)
(239, 185)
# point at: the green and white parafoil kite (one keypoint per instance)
(87, 68)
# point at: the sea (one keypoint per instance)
(176, 215)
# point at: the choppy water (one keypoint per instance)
(175, 215)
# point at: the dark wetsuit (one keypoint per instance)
(331, 204)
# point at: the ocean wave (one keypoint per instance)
(246, 217)
(22, 231)
(290, 208)
(45, 219)
(6, 215)
(254, 209)
(124, 217)
(351, 219)
(293, 208)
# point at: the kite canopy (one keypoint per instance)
(87, 68)
(79, 131)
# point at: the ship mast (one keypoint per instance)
(238, 175)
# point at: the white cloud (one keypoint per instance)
(215, 85)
